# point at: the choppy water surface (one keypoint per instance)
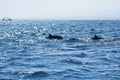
(25, 54)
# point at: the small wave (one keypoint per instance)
(86, 69)
(72, 61)
(105, 60)
(5, 79)
(72, 77)
(39, 66)
(116, 77)
(59, 72)
(3, 59)
(75, 55)
(39, 74)
(68, 49)
(31, 74)
(81, 55)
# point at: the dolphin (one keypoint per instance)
(73, 39)
(54, 37)
(96, 38)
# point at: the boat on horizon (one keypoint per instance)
(6, 19)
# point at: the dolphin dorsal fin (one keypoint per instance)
(95, 36)
(50, 35)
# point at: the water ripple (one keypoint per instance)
(26, 54)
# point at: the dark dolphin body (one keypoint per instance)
(54, 37)
(72, 39)
(59, 37)
(96, 38)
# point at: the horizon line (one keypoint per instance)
(14, 18)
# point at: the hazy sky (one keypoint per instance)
(60, 9)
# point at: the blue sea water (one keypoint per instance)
(26, 54)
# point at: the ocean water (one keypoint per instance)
(26, 54)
